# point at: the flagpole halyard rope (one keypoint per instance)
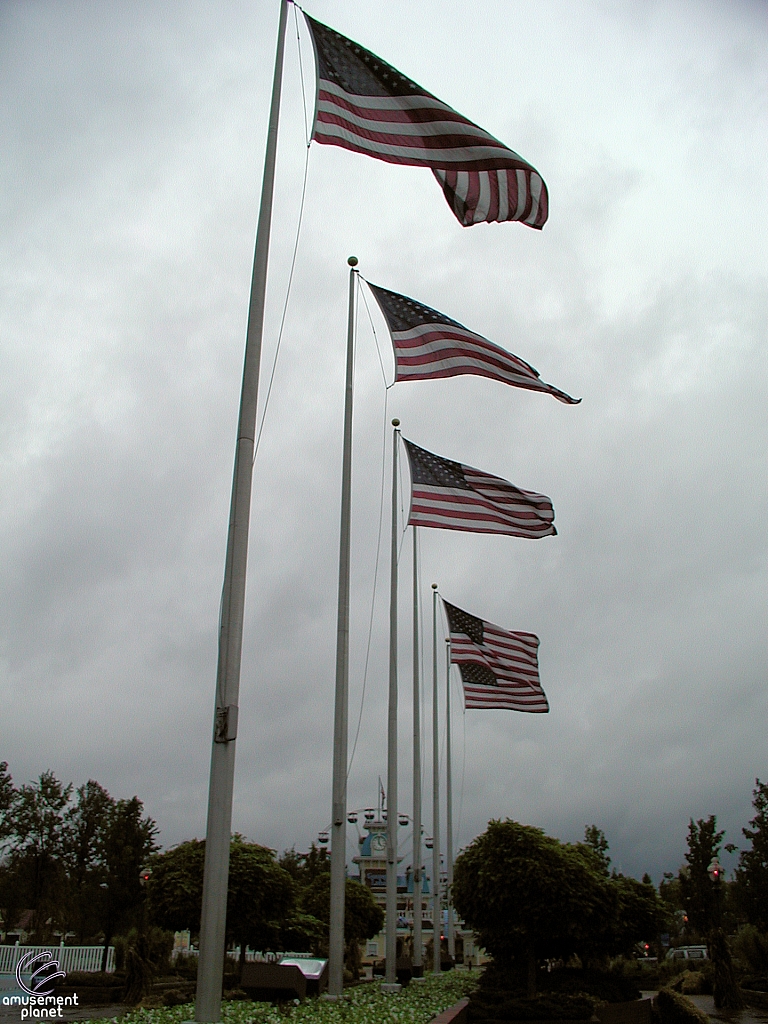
(375, 338)
(301, 76)
(285, 308)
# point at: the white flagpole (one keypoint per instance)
(436, 908)
(340, 727)
(216, 873)
(417, 966)
(390, 981)
(449, 804)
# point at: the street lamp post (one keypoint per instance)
(725, 991)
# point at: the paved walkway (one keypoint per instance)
(751, 1015)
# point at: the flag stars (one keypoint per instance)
(462, 622)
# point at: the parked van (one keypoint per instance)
(688, 953)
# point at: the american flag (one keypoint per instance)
(499, 669)
(451, 496)
(366, 105)
(429, 344)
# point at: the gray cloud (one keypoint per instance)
(130, 172)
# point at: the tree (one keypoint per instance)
(7, 793)
(260, 899)
(363, 917)
(752, 873)
(73, 862)
(126, 843)
(671, 897)
(175, 888)
(529, 896)
(696, 889)
(261, 895)
(701, 898)
(86, 823)
(594, 839)
(639, 915)
(10, 897)
(35, 822)
(304, 868)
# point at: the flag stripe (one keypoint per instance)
(499, 668)
(367, 106)
(428, 344)
(450, 496)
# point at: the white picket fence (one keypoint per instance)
(70, 958)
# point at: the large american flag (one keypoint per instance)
(429, 344)
(451, 496)
(366, 105)
(499, 669)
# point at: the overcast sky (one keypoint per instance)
(131, 161)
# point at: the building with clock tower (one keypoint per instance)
(372, 867)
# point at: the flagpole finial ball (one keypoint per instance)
(434, 586)
(352, 261)
(395, 422)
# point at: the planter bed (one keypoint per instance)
(362, 1004)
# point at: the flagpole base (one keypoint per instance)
(387, 989)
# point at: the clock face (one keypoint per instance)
(378, 843)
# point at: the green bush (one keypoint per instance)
(662, 975)
(175, 997)
(565, 994)
(676, 1009)
(93, 979)
(138, 973)
(751, 948)
(185, 967)
(156, 945)
(670, 969)
(613, 986)
(695, 983)
(491, 1006)
(120, 942)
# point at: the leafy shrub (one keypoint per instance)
(612, 986)
(751, 947)
(185, 967)
(93, 979)
(175, 997)
(138, 973)
(758, 983)
(676, 1009)
(553, 1006)
(120, 942)
(668, 970)
(695, 983)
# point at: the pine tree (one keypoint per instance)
(752, 873)
(696, 887)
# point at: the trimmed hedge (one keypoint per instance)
(499, 1006)
(676, 1009)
